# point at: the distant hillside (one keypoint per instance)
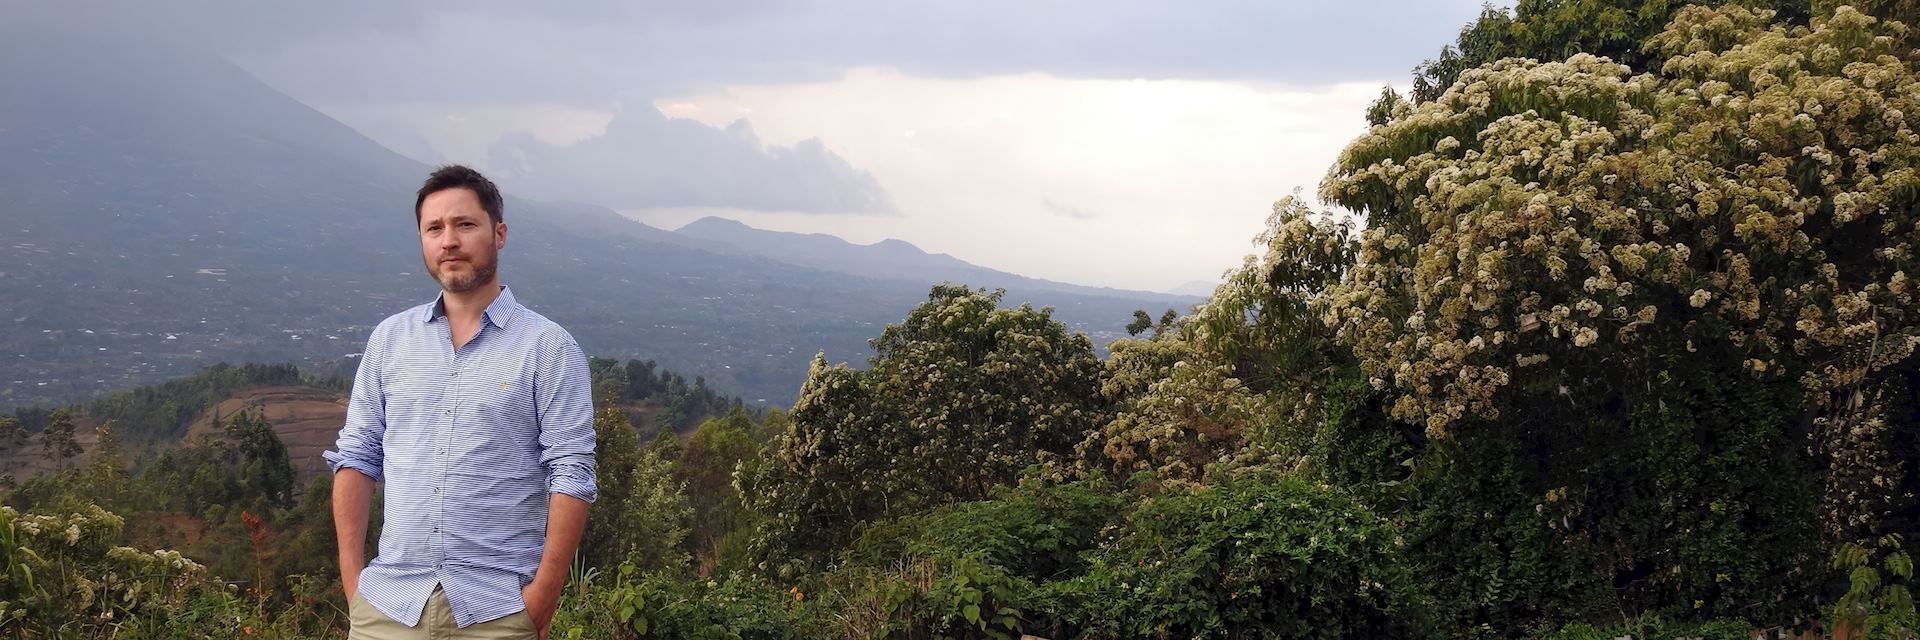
(306, 411)
(1199, 288)
(306, 419)
(902, 261)
(162, 210)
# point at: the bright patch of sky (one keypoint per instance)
(1127, 183)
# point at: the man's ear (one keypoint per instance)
(499, 236)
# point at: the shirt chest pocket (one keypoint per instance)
(500, 400)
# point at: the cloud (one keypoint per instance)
(1068, 211)
(522, 69)
(592, 52)
(647, 160)
(1181, 175)
(990, 123)
(464, 133)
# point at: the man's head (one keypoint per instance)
(461, 229)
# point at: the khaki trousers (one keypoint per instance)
(436, 623)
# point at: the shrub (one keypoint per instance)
(1251, 556)
(676, 607)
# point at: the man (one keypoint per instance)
(478, 413)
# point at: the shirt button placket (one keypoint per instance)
(446, 440)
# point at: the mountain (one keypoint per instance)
(897, 260)
(162, 210)
(1199, 288)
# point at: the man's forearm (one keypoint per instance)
(566, 518)
(352, 497)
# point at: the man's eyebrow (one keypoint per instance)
(452, 218)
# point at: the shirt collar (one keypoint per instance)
(499, 312)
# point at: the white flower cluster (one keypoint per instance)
(64, 530)
(1757, 195)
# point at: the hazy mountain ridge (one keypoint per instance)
(891, 259)
(1199, 288)
(163, 210)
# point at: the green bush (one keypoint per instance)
(1879, 600)
(67, 577)
(1034, 529)
(1653, 628)
(677, 607)
(960, 398)
(1659, 510)
(1252, 556)
(924, 596)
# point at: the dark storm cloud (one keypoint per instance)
(593, 52)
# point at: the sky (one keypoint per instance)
(1117, 143)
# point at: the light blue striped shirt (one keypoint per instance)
(469, 443)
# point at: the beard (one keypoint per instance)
(484, 266)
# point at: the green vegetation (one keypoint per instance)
(78, 543)
(643, 381)
(1619, 350)
(164, 411)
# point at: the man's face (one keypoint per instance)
(459, 243)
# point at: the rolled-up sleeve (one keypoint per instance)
(359, 444)
(564, 397)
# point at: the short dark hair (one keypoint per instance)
(456, 176)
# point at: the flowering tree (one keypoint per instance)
(1557, 29)
(1623, 301)
(1754, 199)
